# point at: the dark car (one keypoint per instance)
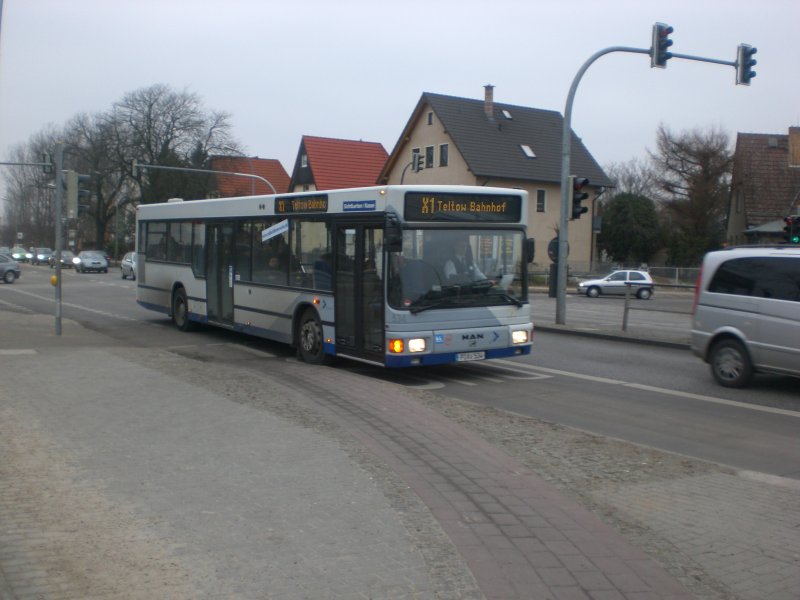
(41, 256)
(9, 269)
(66, 260)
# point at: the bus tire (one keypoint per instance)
(180, 311)
(310, 346)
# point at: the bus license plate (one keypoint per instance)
(467, 356)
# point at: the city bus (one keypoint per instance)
(364, 273)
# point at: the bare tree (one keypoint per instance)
(159, 126)
(634, 177)
(692, 180)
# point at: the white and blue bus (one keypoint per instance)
(368, 274)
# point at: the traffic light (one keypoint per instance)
(416, 162)
(791, 231)
(577, 195)
(745, 63)
(659, 52)
(73, 180)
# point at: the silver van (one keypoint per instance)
(747, 313)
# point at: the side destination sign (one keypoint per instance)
(301, 204)
(425, 206)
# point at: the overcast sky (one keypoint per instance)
(355, 69)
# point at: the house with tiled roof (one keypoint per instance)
(765, 187)
(465, 141)
(330, 164)
(252, 173)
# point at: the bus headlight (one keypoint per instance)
(520, 336)
(416, 345)
(412, 345)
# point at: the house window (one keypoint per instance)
(443, 154)
(528, 150)
(541, 201)
(303, 160)
(430, 118)
(429, 157)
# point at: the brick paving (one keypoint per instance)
(437, 498)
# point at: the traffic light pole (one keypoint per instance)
(59, 159)
(566, 142)
(566, 149)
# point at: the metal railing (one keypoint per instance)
(628, 307)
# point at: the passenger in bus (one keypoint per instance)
(460, 266)
(278, 256)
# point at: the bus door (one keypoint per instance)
(359, 290)
(220, 242)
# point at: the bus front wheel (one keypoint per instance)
(310, 345)
(180, 311)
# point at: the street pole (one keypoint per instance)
(566, 141)
(566, 148)
(59, 158)
(137, 165)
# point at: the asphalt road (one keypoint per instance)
(662, 397)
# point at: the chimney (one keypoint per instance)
(794, 146)
(488, 100)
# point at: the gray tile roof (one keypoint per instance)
(491, 147)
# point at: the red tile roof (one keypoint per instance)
(337, 164)
(268, 168)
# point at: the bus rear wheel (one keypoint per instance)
(309, 336)
(180, 311)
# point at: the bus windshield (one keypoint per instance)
(448, 268)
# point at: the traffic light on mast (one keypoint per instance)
(659, 53)
(416, 162)
(745, 63)
(578, 195)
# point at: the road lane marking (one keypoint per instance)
(704, 398)
(77, 306)
(659, 390)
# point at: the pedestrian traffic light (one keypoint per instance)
(659, 52)
(577, 195)
(791, 231)
(745, 63)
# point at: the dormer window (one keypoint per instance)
(528, 150)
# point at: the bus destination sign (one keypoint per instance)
(302, 204)
(431, 206)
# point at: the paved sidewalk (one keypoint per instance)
(167, 480)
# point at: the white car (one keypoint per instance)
(127, 265)
(640, 282)
(90, 260)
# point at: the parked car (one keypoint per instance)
(9, 269)
(746, 317)
(18, 253)
(5, 250)
(127, 265)
(41, 256)
(67, 257)
(90, 260)
(640, 282)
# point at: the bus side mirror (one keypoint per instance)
(530, 249)
(393, 234)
